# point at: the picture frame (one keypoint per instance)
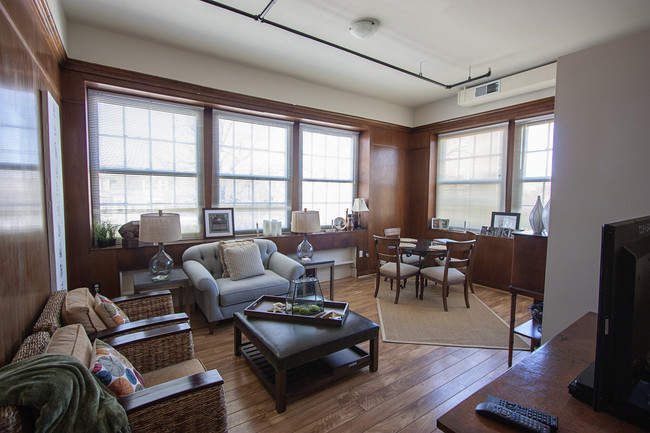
(219, 222)
(506, 220)
(444, 224)
(435, 223)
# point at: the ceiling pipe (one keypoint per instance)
(260, 18)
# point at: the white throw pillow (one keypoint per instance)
(243, 261)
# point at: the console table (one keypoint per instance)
(540, 381)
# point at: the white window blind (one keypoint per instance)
(532, 168)
(145, 155)
(329, 164)
(471, 175)
(252, 169)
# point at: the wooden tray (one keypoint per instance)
(261, 307)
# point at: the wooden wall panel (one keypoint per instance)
(27, 67)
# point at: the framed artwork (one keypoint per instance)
(444, 224)
(435, 223)
(53, 173)
(219, 222)
(506, 220)
(339, 223)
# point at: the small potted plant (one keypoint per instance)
(111, 229)
(100, 233)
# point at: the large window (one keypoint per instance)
(328, 170)
(471, 175)
(252, 170)
(532, 166)
(144, 156)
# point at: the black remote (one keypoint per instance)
(500, 413)
(537, 415)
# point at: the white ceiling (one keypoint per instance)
(442, 39)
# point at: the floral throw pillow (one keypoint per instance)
(115, 371)
(110, 313)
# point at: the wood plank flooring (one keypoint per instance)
(415, 384)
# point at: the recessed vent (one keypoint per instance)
(487, 89)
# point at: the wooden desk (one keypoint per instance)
(540, 381)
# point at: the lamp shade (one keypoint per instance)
(307, 221)
(160, 227)
(359, 205)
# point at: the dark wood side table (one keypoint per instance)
(528, 277)
(178, 280)
(315, 263)
(540, 381)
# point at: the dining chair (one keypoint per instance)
(413, 259)
(457, 270)
(389, 264)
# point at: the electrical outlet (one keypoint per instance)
(97, 287)
(360, 254)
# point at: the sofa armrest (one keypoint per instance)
(201, 278)
(146, 304)
(156, 348)
(285, 267)
(141, 325)
(199, 398)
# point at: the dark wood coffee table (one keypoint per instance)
(293, 359)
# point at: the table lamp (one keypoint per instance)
(158, 228)
(358, 206)
(307, 221)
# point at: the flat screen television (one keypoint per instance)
(621, 380)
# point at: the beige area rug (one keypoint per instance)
(426, 322)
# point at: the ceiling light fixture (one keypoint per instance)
(260, 18)
(364, 28)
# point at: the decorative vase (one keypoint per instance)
(545, 215)
(535, 217)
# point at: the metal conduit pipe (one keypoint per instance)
(260, 18)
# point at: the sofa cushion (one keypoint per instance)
(115, 371)
(250, 289)
(79, 307)
(172, 372)
(243, 261)
(50, 318)
(111, 314)
(72, 340)
(223, 246)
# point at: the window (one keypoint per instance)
(532, 167)
(329, 159)
(252, 169)
(471, 175)
(145, 155)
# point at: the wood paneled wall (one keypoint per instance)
(29, 63)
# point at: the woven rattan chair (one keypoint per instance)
(146, 310)
(194, 402)
(457, 269)
(390, 266)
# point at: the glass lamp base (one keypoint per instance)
(161, 263)
(305, 251)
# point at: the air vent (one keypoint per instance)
(487, 89)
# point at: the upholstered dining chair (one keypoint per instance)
(414, 259)
(390, 266)
(457, 270)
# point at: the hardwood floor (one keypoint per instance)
(415, 384)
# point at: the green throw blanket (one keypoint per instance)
(64, 392)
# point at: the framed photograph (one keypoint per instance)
(435, 223)
(444, 224)
(505, 220)
(219, 222)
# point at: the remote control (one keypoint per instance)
(535, 414)
(500, 413)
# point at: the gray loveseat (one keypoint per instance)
(220, 297)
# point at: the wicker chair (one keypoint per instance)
(191, 403)
(145, 311)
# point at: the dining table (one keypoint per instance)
(425, 248)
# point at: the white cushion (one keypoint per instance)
(243, 261)
(390, 270)
(436, 273)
